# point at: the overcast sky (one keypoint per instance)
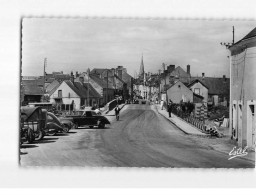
(78, 44)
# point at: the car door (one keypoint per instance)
(94, 118)
(88, 118)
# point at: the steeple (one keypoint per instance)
(141, 74)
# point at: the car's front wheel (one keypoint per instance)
(65, 128)
(30, 136)
(51, 133)
(76, 126)
(39, 135)
(101, 125)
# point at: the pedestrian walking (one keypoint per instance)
(117, 110)
(162, 104)
(170, 108)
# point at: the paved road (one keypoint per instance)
(142, 138)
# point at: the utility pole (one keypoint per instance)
(165, 83)
(107, 87)
(132, 89)
(45, 62)
(159, 80)
(233, 41)
(88, 98)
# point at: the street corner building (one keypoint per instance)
(243, 90)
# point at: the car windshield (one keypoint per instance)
(94, 114)
(88, 113)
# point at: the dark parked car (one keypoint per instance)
(89, 118)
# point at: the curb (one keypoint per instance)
(206, 135)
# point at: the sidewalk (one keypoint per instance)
(181, 124)
(224, 145)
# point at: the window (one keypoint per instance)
(88, 113)
(197, 91)
(59, 93)
(94, 114)
(82, 102)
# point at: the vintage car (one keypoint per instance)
(55, 125)
(88, 118)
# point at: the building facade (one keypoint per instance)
(243, 90)
(179, 92)
(199, 88)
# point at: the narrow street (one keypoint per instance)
(142, 138)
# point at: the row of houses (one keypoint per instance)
(96, 87)
(213, 90)
(178, 85)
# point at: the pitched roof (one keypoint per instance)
(72, 86)
(126, 77)
(49, 80)
(101, 82)
(179, 72)
(170, 86)
(92, 91)
(52, 87)
(250, 34)
(97, 70)
(122, 81)
(216, 86)
(81, 89)
(37, 82)
(31, 89)
(196, 81)
(62, 76)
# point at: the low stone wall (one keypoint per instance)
(112, 104)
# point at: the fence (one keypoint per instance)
(184, 111)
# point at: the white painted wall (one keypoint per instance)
(243, 90)
(66, 90)
(203, 90)
(179, 92)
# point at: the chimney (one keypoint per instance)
(81, 79)
(224, 78)
(72, 77)
(113, 71)
(170, 68)
(188, 69)
(119, 74)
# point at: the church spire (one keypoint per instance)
(141, 74)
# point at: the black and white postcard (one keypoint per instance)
(105, 92)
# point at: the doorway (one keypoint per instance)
(234, 121)
(240, 119)
(251, 125)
